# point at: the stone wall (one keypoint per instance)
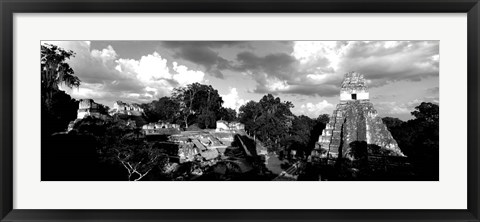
(120, 107)
(87, 104)
(223, 125)
(88, 107)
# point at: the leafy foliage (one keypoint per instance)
(60, 110)
(269, 120)
(248, 115)
(164, 109)
(54, 68)
(323, 118)
(57, 107)
(227, 114)
(198, 103)
(299, 135)
(391, 122)
(419, 140)
(427, 112)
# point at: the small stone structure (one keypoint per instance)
(354, 119)
(120, 107)
(88, 107)
(224, 126)
(160, 128)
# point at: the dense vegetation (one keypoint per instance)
(418, 139)
(194, 104)
(271, 122)
(57, 107)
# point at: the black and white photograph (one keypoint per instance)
(240, 110)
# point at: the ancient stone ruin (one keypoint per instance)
(120, 107)
(88, 107)
(160, 128)
(224, 126)
(355, 119)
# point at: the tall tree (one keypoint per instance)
(323, 118)
(426, 112)
(299, 134)
(55, 70)
(164, 109)
(391, 122)
(270, 119)
(58, 108)
(227, 114)
(318, 126)
(198, 103)
(185, 96)
(248, 115)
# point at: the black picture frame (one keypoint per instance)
(9, 7)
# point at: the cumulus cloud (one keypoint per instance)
(149, 68)
(186, 76)
(232, 100)
(316, 55)
(107, 77)
(314, 110)
(317, 67)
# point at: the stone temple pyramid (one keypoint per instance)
(355, 119)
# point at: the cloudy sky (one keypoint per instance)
(401, 74)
